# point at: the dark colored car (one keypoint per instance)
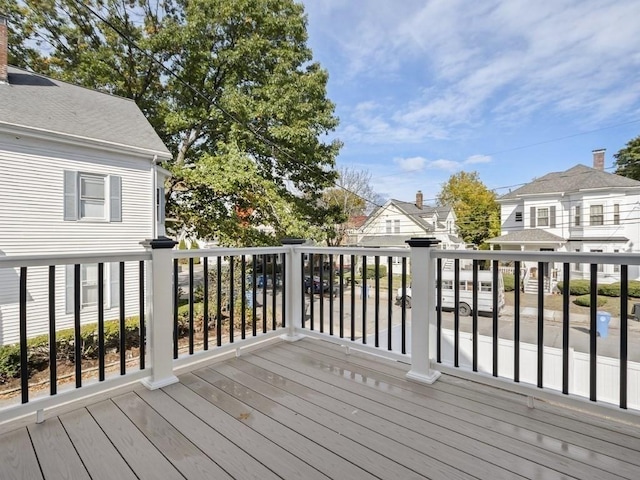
(314, 284)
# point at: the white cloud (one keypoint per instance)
(443, 164)
(411, 164)
(473, 159)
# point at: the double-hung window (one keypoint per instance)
(396, 226)
(89, 196)
(616, 214)
(596, 216)
(577, 216)
(388, 225)
(89, 286)
(543, 217)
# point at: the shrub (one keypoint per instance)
(577, 287)
(509, 282)
(371, 271)
(585, 301)
(610, 290)
(634, 288)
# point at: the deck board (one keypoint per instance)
(309, 410)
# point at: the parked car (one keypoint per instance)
(314, 284)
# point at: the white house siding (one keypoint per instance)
(31, 222)
(390, 213)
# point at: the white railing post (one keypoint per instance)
(423, 310)
(293, 283)
(160, 324)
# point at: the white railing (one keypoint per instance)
(361, 314)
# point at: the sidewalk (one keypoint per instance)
(575, 318)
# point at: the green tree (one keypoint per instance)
(475, 206)
(244, 115)
(628, 159)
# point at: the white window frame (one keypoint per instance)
(396, 226)
(576, 218)
(542, 220)
(616, 214)
(599, 216)
(74, 199)
(389, 226)
(111, 286)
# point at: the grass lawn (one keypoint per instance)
(554, 302)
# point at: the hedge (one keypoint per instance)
(509, 282)
(583, 287)
(585, 300)
(38, 347)
(371, 271)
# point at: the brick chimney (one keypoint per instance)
(419, 199)
(598, 159)
(4, 49)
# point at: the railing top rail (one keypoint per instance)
(228, 252)
(16, 261)
(559, 257)
(374, 252)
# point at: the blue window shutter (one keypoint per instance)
(115, 198)
(68, 289)
(114, 284)
(70, 195)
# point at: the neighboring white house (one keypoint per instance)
(582, 209)
(79, 175)
(392, 224)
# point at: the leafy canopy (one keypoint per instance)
(628, 159)
(475, 206)
(245, 119)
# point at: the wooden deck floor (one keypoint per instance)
(308, 411)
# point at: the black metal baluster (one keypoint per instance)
(243, 301)
(176, 303)
(593, 331)
(540, 323)
(403, 317)
(101, 349)
(254, 296)
(304, 293)
(191, 305)
(205, 303)
(322, 293)
(219, 301)
(494, 291)
(566, 277)
(474, 328)
(364, 299)
(284, 289)
(123, 333)
(264, 293)
(77, 354)
(516, 321)
(353, 298)
(24, 366)
(439, 310)
(389, 302)
(341, 302)
(53, 364)
(231, 298)
(331, 287)
(273, 291)
(624, 333)
(456, 312)
(377, 302)
(142, 334)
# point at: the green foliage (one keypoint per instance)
(609, 290)
(585, 301)
(194, 246)
(38, 347)
(509, 282)
(475, 206)
(371, 271)
(249, 148)
(577, 287)
(628, 160)
(634, 288)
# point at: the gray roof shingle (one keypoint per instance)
(532, 235)
(38, 102)
(574, 179)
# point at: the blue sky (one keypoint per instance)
(511, 89)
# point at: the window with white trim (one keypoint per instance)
(596, 218)
(543, 217)
(396, 226)
(388, 226)
(89, 196)
(577, 216)
(616, 214)
(89, 286)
